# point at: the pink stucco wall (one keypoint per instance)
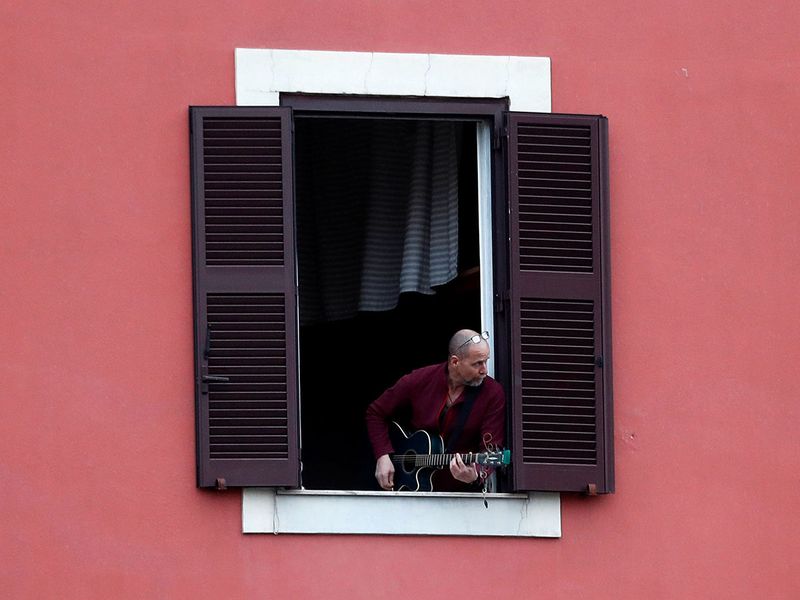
(96, 438)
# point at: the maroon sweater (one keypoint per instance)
(421, 396)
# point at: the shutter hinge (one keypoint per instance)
(598, 361)
(500, 301)
(221, 485)
(499, 133)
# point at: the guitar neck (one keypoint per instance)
(438, 460)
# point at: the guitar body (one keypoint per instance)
(407, 447)
(418, 456)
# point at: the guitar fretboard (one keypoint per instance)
(413, 460)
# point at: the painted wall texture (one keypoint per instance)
(98, 496)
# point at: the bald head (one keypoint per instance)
(469, 353)
(458, 345)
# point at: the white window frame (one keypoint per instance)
(261, 76)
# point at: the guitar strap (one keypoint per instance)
(470, 393)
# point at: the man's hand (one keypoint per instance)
(384, 472)
(462, 472)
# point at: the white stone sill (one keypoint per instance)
(265, 510)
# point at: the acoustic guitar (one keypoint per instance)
(420, 455)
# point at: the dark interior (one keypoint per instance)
(345, 364)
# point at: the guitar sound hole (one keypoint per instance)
(408, 461)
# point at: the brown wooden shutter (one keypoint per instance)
(244, 297)
(561, 343)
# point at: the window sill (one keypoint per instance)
(265, 510)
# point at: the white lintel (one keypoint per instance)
(263, 74)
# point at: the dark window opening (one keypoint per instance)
(351, 176)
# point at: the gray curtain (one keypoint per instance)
(377, 213)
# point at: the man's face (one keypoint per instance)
(471, 370)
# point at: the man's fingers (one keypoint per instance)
(461, 471)
(384, 472)
(459, 463)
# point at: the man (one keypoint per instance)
(432, 398)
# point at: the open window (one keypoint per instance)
(388, 267)
(284, 362)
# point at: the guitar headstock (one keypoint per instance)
(500, 458)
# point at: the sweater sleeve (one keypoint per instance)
(493, 425)
(380, 413)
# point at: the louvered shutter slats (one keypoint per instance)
(246, 326)
(243, 182)
(554, 187)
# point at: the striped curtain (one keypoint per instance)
(377, 213)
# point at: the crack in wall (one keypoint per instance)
(368, 72)
(523, 514)
(427, 71)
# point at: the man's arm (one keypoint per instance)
(494, 419)
(378, 416)
(492, 434)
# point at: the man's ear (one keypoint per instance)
(453, 360)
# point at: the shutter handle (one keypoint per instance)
(210, 378)
(205, 379)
